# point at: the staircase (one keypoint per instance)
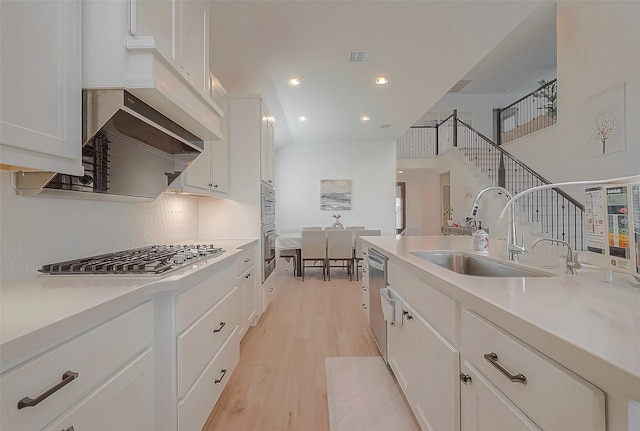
(551, 212)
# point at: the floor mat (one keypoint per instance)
(362, 395)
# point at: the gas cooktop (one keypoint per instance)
(151, 260)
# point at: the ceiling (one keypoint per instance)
(424, 47)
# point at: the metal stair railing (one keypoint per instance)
(559, 215)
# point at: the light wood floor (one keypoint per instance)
(280, 382)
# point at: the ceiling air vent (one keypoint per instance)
(359, 56)
(459, 85)
(385, 125)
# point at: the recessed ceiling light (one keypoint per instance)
(302, 118)
(294, 82)
(401, 172)
(381, 80)
(365, 118)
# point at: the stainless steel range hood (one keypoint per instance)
(130, 118)
(129, 150)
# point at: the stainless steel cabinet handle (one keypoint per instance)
(247, 260)
(465, 378)
(224, 372)
(71, 428)
(406, 313)
(67, 378)
(492, 358)
(248, 275)
(222, 324)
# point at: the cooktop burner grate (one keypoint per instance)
(151, 260)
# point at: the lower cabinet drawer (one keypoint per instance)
(124, 402)
(552, 396)
(246, 260)
(197, 404)
(71, 370)
(198, 344)
(195, 301)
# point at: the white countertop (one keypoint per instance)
(40, 311)
(590, 326)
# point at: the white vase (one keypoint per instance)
(450, 222)
(337, 224)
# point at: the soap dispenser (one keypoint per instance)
(480, 240)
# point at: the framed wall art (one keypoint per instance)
(605, 123)
(335, 195)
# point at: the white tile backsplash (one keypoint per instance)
(39, 230)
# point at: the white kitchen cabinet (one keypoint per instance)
(426, 367)
(40, 78)
(248, 282)
(267, 151)
(77, 368)
(550, 395)
(200, 342)
(485, 408)
(207, 174)
(154, 18)
(195, 407)
(125, 401)
(207, 344)
(192, 41)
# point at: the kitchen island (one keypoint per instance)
(124, 345)
(578, 324)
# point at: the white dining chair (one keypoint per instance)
(340, 248)
(357, 250)
(291, 254)
(314, 249)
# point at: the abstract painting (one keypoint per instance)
(335, 195)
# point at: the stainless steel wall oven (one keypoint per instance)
(268, 219)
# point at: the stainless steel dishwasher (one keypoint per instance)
(377, 281)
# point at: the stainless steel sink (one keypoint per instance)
(472, 264)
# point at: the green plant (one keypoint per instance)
(549, 94)
(448, 212)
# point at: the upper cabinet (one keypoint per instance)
(40, 78)
(267, 151)
(192, 41)
(208, 174)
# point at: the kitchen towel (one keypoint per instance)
(362, 395)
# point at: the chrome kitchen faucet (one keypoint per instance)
(513, 248)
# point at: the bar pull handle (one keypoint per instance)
(492, 358)
(222, 324)
(67, 378)
(224, 372)
(247, 260)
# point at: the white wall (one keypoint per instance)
(370, 166)
(40, 230)
(597, 48)
(423, 201)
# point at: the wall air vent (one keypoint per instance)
(459, 85)
(359, 56)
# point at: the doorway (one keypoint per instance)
(445, 198)
(401, 207)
